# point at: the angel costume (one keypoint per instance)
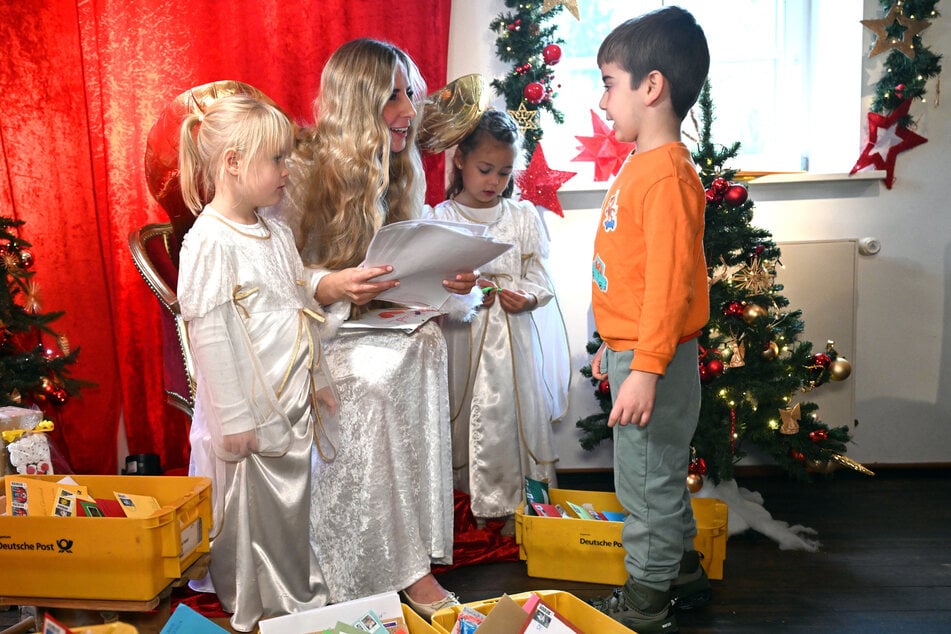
(248, 303)
(383, 510)
(508, 373)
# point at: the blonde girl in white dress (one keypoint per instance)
(264, 395)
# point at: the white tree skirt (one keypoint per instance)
(746, 511)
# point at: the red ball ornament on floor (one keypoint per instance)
(735, 196)
(551, 54)
(534, 93)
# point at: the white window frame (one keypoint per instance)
(816, 109)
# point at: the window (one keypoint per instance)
(785, 75)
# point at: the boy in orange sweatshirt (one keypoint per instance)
(650, 300)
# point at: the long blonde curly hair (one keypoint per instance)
(348, 183)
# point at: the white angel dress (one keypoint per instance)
(251, 318)
(508, 373)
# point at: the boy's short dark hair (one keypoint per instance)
(668, 40)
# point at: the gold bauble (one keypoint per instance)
(752, 312)
(840, 369)
(694, 482)
(770, 351)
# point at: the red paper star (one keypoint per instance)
(886, 140)
(539, 184)
(603, 149)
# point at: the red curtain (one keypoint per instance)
(82, 83)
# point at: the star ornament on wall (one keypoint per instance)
(603, 149)
(539, 183)
(886, 140)
(571, 5)
(895, 31)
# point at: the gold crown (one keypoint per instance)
(452, 112)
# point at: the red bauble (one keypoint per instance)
(735, 196)
(698, 466)
(534, 93)
(59, 396)
(821, 359)
(26, 259)
(818, 435)
(551, 54)
(715, 367)
(733, 309)
(706, 376)
(720, 185)
(797, 455)
(604, 388)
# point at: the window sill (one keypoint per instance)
(768, 186)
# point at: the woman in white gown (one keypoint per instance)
(383, 510)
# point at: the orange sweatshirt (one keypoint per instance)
(649, 276)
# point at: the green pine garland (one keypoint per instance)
(522, 37)
(905, 78)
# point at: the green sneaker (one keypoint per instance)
(642, 609)
(691, 589)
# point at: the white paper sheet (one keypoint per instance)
(423, 253)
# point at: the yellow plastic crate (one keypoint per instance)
(591, 550)
(109, 558)
(581, 615)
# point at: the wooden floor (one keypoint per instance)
(884, 564)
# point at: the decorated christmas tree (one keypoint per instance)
(34, 359)
(755, 371)
(525, 41)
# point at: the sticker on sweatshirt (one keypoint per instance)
(597, 274)
(609, 213)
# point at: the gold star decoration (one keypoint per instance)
(896, 31)
(11, 261)
(790, 417)
(571, 5)
(756, 277)
(525, 118)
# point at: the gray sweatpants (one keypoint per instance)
(650, 469)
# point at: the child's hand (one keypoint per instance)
(634, 402)
(462, 284)
(240, 445)
(325, 396)
(596, 371)
(516, 301)
(488, 291)
(354, 284)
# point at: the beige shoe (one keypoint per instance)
(427, 610)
